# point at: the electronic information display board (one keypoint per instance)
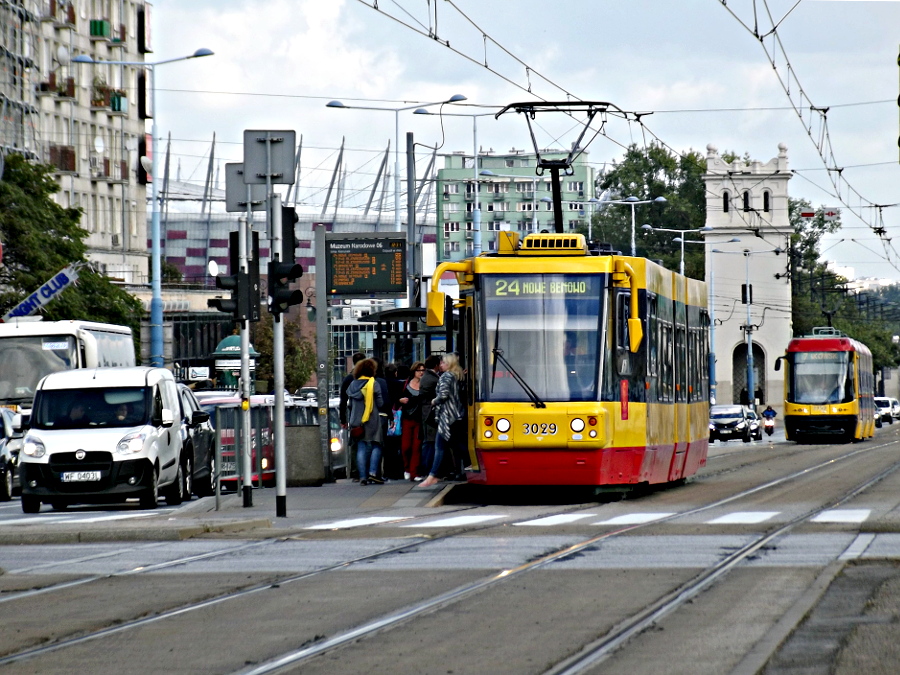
(366, 265)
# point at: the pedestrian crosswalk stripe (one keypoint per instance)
(456, 521)
(743, 518)
(354, 522)
(561, 519)
(634, 518)
(842, 516)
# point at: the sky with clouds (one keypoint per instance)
(694, 64)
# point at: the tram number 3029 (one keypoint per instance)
(543, 429)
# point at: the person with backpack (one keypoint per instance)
(365, 398)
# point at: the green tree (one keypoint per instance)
(40, 238)
(299, 354)
(647, 174)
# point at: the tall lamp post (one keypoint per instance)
(751, 388)
(712, 313)
(651, 228)
(156, 304)
(476, 209)
(632, 202)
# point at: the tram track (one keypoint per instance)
(622, 633)
(624, 630)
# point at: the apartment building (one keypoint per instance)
(510, 196)
(87, 120)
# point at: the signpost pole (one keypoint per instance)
(247, 472)
(323, 363)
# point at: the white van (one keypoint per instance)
(103, 435)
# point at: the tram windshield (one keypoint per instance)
(547, 329)
(820, 377)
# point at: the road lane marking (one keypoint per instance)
(634, 519)
(36, 519)
(456, 521)
(743, 518)
(842, 516)
(560, 519)
(116, 516)
(354, 522)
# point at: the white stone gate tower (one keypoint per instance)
(748, 200)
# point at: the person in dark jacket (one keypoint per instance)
(427, 390)
(411, 422)
(342, 406)
(449, 411)
(365, 401)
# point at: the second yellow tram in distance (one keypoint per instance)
(829, 385)
(583, 368)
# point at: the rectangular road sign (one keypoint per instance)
(236, 190)
(278, 164)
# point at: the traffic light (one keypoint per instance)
(238, 304)
(289, 220)
(281, 295)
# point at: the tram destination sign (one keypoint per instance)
(366, 265)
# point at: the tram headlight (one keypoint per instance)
(503, 425)
(577, 425)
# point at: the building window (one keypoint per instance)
(494, 226)
(451, 247)
(492, 245)
(573, 224)
(470, 189)
(767, 201)
(451, 208)
(575, 186)
(726, 202)
(525, 206)
(451, 188)
(498, 206)
(524, 187)
(498, 188)
(746, 200)
(470, 248)
(510, 163)
(451, 227)
(470, 207)
(576, 206)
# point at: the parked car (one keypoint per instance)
(883, 404)
(895, 409)
(727, 422)
(9, 456)
(756, 429)
(103, 435)
(199, 446)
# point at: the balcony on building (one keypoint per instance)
(62, 158)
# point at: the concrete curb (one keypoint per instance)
(151, 533)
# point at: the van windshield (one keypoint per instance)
(88, 409)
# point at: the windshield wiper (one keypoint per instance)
(498, 356)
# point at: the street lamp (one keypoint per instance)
(337, 104)
(751, 389)
(476, 210)
(632, 202)
(705, 228)
(534, 181)
(156, 304)
(712, 314)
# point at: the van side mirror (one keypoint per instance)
(168, 419)
(20, 424)
(199, 417)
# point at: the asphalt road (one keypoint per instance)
(800, 544)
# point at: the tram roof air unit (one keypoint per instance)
(554, 244)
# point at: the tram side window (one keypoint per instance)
(681, 365)
(623, 352)
(850, 384)
(652, 346)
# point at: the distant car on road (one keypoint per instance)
(756, 429)
(727, 422)
(883, 404)
(895, 409)
(199, 445)
(9, 456)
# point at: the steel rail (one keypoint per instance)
(390, 619)
(679, 595)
